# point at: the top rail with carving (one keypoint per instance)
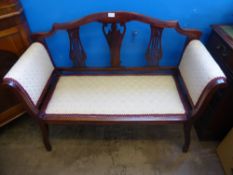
(114, 35)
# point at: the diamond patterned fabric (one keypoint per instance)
(119, 95)
(32, 70)
(198, 68)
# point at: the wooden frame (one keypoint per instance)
(114, 38)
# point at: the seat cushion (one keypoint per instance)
(116, 95)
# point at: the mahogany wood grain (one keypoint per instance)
(114, 37)
(120, 17)
(154, 51)
(14, 40)
(77, 53)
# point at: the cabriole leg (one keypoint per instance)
(187, 136)
(45, 135)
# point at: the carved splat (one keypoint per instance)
(154, 51)
(77, 53)
(114, 38)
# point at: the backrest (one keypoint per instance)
(114, 26)
(31, 73)
(199, 70)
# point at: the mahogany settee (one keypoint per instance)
(116, 94)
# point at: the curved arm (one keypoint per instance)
(201, 76)
(30, 76)
(207, 95)
(120, 17)
(22, 95)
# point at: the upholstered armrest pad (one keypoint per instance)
(198, 68)
(32, 71)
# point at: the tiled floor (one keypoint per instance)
(103, 150)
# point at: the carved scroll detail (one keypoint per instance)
(114, 38)
(154, 51)
(77, 53)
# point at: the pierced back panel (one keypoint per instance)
(77, 53)
(115, 35)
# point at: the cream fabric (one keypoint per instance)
(32, 70)
(198, 68)
(116, 95)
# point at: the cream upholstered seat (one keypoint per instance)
(115, 99)
(116, 95)
(53, 96)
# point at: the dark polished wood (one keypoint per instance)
(117, 21)
(154, 51)
(216, 121)
(187, 135)
(14, 40)
(121, 17)
(45, 135)
(114, 38)
(77, 53)
(114, 35)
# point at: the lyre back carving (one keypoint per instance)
(114, 37)
(154, 51)
(77, 53)
(116, 33)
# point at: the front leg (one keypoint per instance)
(187, 136)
